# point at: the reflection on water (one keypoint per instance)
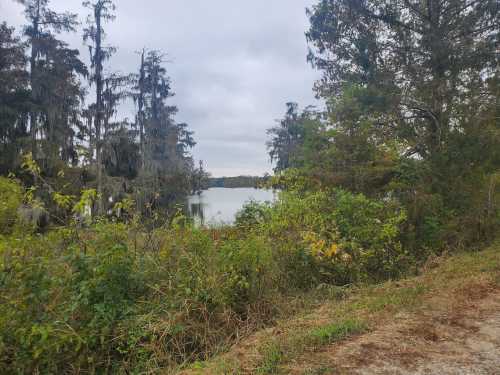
(196, 211)
(220, 205)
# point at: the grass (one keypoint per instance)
(468, 275)
(278, 352)
(272, 357)
(332, 333)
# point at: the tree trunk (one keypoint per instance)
(99, 109)
(33, 80)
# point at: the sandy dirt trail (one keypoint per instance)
(463, 339)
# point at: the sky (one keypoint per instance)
(233, 63)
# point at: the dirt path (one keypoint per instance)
(463, 338)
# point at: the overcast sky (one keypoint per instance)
(234, 65)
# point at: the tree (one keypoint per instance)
(60, 98)
(102, 11)
(14, 99)
(414, 83)
(43, 23)
(166, 164)
(121, 157)
(286, 138)
(289, 138)
(426, 57)
(139, 98)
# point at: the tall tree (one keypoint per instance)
(139, 98)
(421, 56)
(420, 77)
(101, 11)
(43, 23)
(286, 138)
(166, 164)
(159, 121)
(116, 90)
(60, 99)
(14, 98)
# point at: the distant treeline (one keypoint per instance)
(237, 182)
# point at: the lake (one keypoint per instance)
(218, 206)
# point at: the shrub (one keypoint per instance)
(64, 300)
(252, 214)
(338, 237)
(11, 197)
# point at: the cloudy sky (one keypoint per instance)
(234, 64)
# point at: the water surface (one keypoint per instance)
(218, 206)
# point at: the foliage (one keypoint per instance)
(14, 98)
(120, 297)
(290, 135)
(411, 93)
(43, 112)
(252, 214)
(346, 237)
(11, 197)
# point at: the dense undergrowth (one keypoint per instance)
(448, 289)
(121, 297)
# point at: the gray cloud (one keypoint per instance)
(234, 64)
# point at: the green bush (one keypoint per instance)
(64, 300)
(11, 197)
(252, 214)
(338, 237)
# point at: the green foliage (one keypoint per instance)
(97, 301)
(63, 201)
(30, 165)
(290, 135)
(14, 99)
(117, 297)
(341, 236)
(11, 197)
(64, 300)
(87, 199)
(409, 125)
(252, 214)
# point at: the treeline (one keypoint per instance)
(63, 114)
(413, 113)
(237, 182)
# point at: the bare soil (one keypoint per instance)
(461, 339)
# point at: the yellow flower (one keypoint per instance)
(332, 251)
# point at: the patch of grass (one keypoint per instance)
(227, 367)
(332, 333)
(397, 297)
(277, 353)
(272, 356)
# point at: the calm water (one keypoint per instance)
(219, 205)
